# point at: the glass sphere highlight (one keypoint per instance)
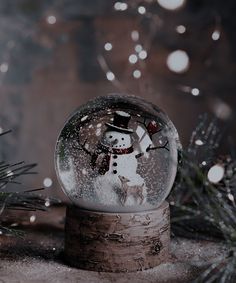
(117, 153)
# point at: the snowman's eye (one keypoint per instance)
(122, 139)
(110, 137)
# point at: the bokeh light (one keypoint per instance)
(138, 48)
(51, 19)
(215, 35)
(221, 109)
(178, 61)
(199, 142)
(32, 218)
(195, 91)
(171, 4)
(47, 182)
(133, 59)
(135, 35)
(110, 76)
(216, 173)
(181, 29)
(141, 10)
(142, 54)
(108, 46)
(4, 67)
(137, 74)
(120, 6)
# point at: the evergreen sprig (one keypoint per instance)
(204, 209)
(27, 200)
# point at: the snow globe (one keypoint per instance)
(116, 159)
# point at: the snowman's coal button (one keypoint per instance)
(114, 171)
(114, 164)
(115, 156)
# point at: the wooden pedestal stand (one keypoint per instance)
(117, 242)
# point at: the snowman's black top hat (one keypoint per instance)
(120, 122)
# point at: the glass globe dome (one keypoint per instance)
(117, 153)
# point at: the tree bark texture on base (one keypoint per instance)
(117, 242)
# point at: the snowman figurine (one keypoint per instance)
(118, 182)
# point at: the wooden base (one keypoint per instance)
(117, 242)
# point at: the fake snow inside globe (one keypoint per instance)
(118, 154)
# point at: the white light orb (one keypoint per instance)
(4, 67)
(141, 10)
(129, 166)
(216, 173)
(135, 35)
(181, 29)
(47, 202)
(138, 48)
(230, 197)
(171, 4)
(32, 218)
(51, 19)
(117, 6)
(123, 6)
(215, 35)
(120, 6)
(47, 182)
(137, 74)
(221, 109)
(142, 54)
(199, 142)
(195, 91)
(133, 58)
(178, 61)
(108, 46)
(110, 76)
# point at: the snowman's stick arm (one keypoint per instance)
(153, 148)
(139, 154)
(158, 147)
(142, 122)
(83, 147)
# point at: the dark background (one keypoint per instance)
(48, 70)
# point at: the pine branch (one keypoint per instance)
(27, 200)
(197, 202)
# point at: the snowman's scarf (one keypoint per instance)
(108, 151)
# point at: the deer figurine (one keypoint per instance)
(136, 191)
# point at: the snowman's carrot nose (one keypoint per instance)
(115, 142)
